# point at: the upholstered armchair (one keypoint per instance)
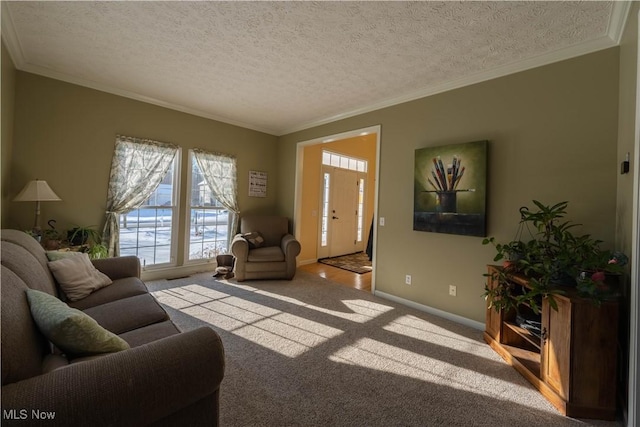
(264, 249)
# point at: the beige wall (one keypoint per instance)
(627, 127)
(552, 135)
(6, 109)
(65, 134)
(363, 147)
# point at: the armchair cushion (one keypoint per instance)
(268, 254)
(69, 329)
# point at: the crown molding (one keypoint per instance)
(15, 51)
(556, 56)
(45, 72)
(9, 37)
(617, 22)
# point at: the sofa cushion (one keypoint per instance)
(23, 346)
(54, 361)
(119, 289)
(32, 246)
(27, 266)
(267, 254)
(69, 329)
(77, 277)
(128, 314)
(150, 333)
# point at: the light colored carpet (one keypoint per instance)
(314, 353)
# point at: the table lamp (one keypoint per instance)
(37, 191)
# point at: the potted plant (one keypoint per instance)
(509, 253)
(78, 236)
(552, 259)
(599, 275)
(88, 240)
(51, 237)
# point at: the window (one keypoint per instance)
(210, 223)
(360, 209)
(141, 208)
(343, 162)
(147, 231)
(142, 211)
(324, 232)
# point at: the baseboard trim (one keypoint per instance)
(440, 313)
(176, 272)
(307, 262)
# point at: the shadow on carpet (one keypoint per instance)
(313, 353)
(357, 263)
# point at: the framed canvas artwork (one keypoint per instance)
(450, 189)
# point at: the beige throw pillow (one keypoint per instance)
(77, 276)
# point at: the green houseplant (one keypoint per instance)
(52, 238)
(553, 259)
(88, 240)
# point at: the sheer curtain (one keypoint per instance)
(219, 171)
(137, 168)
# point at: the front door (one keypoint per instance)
(342, 212)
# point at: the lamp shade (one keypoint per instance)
(37, 191)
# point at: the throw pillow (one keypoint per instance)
(77, 276)
(58, 255)
(254, 238)
(69, 329)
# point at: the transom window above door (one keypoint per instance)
(344, 162)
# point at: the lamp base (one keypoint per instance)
(36, 232)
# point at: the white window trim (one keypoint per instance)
(175, 221)
(187, 224)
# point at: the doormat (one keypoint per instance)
(358, 262)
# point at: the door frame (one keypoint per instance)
(633, 404)
(297, 205)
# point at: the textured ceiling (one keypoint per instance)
(283, 66)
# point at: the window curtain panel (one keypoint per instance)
(219, 171)
(137, 168)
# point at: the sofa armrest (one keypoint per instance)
(119, 267)
(240, 248)
(290, 246)
(132, 387)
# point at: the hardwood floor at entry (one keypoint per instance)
(338, 275)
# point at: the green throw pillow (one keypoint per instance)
(69, 329)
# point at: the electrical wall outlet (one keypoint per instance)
(407, 279)
(381, 221)
(453, 290)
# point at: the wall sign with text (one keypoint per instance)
(257, 184)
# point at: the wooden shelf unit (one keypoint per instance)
(573, 363)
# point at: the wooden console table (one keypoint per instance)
(573, 362)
